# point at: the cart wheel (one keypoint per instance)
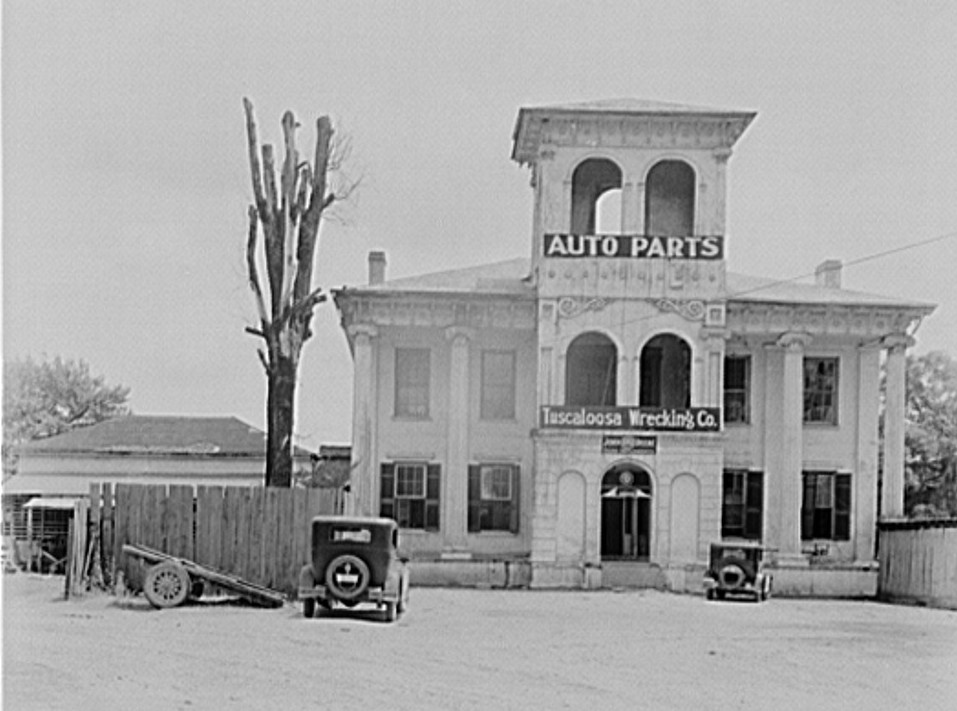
(309, 608)
(167, 585)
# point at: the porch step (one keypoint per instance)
(631, 574)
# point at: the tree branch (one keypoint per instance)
(252, 270)
(253, 144)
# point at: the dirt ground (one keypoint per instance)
(475, 649)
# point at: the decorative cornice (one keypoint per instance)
(818, 319)
(688, 309)
(570, 307)
(440, 311)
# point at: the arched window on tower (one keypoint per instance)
(669, 199)
(593, 179)
(591, 371)
(665, 372)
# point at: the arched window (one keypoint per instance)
(591, 371)
(669, 199)
(665, 372)
(592, 179)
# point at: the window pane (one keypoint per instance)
(497, 483)
(412, 371)
(820, 390)
(410, 481)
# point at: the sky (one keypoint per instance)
(126, 181)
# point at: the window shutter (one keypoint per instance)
(433, 477)
(516, 499)
(755, 505)
(475, 497)
(387, 490)
(807, 507)
(842, 507)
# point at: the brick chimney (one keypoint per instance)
(828, 273)
(376, 268)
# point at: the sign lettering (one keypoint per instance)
(650, 419)
(633, 246)
(629, 444)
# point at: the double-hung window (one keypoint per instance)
(826, 506)
(820, 390)
(409, 493)
(412, 374)
(737, 389)
(493, 497)
(742, 504)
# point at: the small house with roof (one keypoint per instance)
(52, 473)
(597, 413)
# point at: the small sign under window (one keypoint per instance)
(629, 444)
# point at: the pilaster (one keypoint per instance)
(455, 485)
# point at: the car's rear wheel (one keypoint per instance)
(347, 577)
(709, 594)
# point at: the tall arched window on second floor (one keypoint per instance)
(591, 371)
(669, 199)
(590, 181)
(665, 372)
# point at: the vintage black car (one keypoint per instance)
(355, 560)
(737, 569)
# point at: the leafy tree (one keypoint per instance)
(287, 211)
(931, 435)
(51, 397)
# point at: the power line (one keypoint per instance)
(851, 263)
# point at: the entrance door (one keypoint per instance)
(625, 514)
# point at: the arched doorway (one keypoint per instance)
(626, 513)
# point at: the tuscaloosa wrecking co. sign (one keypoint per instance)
(633, 246)
(649, 419)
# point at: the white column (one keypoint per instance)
(783, 446)
(892, 486)
(865, 475)
(455, 479)
(362, 481)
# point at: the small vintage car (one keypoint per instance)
(737, 569)
(355, 560)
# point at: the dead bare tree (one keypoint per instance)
(289, 215)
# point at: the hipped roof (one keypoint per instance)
(160, 435)
(511, 277)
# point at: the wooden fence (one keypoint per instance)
(256, 533)
(918, 562)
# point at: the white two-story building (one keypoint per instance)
(598, 413)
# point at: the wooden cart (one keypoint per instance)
(171, 581)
